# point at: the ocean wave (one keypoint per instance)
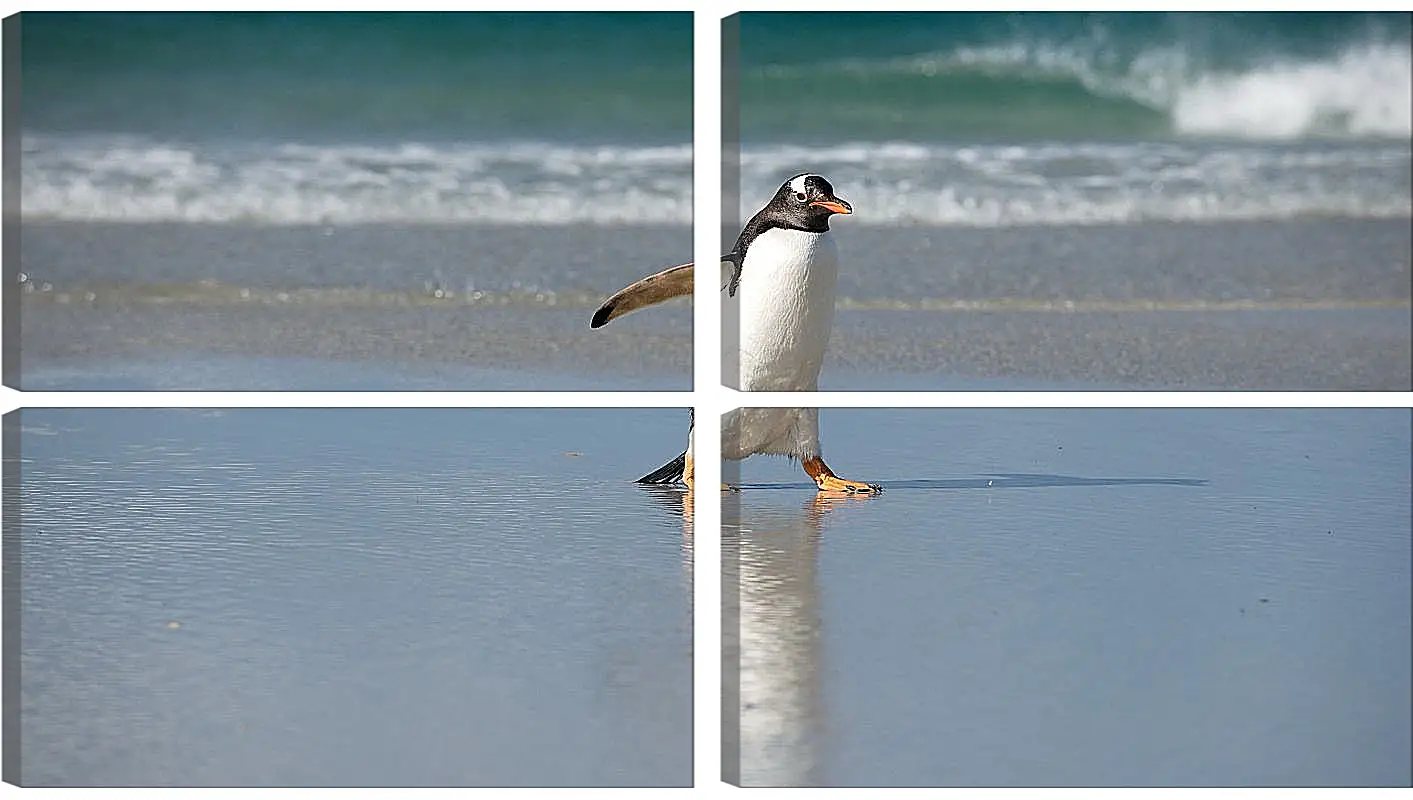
(902, 183)
(890, 182)
(130, 179)
(1361, 91)
(1365, 92)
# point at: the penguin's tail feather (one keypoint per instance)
(671, 472)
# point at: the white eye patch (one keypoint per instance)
(797, 183)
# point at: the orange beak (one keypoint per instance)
(836, 205)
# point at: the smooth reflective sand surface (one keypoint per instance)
(1077, 597)
(350, 597)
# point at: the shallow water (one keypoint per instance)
(350, 597)
(1074, 597)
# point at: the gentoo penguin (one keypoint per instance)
(779, 280)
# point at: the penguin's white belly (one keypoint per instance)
(786, 311)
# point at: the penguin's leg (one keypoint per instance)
(805, 446)
(827, 481)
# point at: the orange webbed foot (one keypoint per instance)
(827, 481)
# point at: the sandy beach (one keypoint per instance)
(1315, 305)
(495, 308)
(1318, 305)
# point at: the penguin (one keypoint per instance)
(780, 280)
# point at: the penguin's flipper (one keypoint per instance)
(661, 287)
(671, 282)
(731, 264)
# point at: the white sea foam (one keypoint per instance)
(135, 180)
(1077, 184)
(1364, 90)
(890, 183)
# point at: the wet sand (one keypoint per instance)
(1311, 304)
(1318, 304)
(1164, 262)
(1201, 597)
(350, 598)
(292, 348)
(1360, 349)
(470, 308)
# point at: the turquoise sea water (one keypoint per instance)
(1048, 76)
(994, 119)
(300, 118)
(361, 78)
(942, 120)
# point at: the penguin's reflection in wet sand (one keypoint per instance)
(679, 503)
(771, 634)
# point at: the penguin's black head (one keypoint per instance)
(807, 202)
